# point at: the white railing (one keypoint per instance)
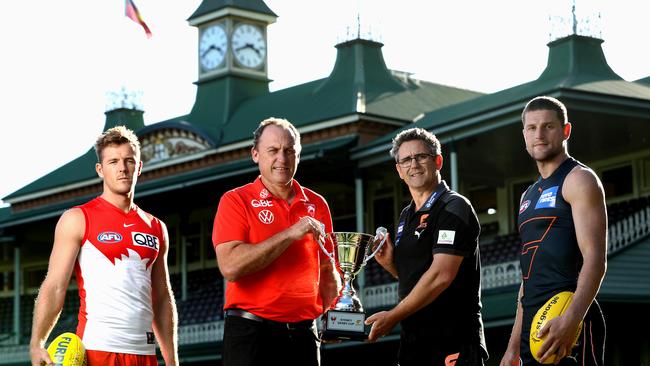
(621, 234)
(200, 333)
(626, 231)
(381, 295)
(14, 354)
(187, 334)
(492, 276)
(500, 274)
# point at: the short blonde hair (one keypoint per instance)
(117, 135)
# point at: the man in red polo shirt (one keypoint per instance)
(266, 239)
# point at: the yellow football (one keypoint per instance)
(554, 307)
(67, 350)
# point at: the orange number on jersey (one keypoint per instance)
(528, 249)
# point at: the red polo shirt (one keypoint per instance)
(287, 289)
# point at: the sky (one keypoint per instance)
(60, 59)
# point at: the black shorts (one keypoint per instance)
(418, 350)
(590, 350)
(249, 343)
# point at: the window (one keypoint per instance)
(618, 181)
(517, 190)
(484, 200)
(646, 174)
(383, 214)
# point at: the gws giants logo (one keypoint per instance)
(145, 240)
(109, 237)
(264, 193)
(266, 216)
(524, 206)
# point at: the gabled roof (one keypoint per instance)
(360, 83)
(309, 152)
(80, 170)
(645, 80)
(77, 171)
(574, 63)
(209, 6)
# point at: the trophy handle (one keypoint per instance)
(383, 233)
(321, 243)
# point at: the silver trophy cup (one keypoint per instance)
(351, 251)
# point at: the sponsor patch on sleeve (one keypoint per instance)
(446, 237)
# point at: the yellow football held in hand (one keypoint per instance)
(554, 307)
(67, 350)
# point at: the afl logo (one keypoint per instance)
(524, 206)
(266, 216)
(109, 237)
(264, 193)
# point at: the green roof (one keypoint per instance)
(360, 83)
(575, 63)
(627, 274)
(76, 171)
(311, 151)
(499, 306)
(645, 80)
(209, 6)
(246, 165)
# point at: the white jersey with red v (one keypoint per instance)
(114, 276)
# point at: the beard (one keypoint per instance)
(546, 155)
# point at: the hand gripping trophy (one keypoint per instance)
(351, 251)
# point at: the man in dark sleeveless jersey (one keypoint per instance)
(563, 228)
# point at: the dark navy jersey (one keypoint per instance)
(446, 223)
(550, 257)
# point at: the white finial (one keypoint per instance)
(587, 23)
(575, 19)
(124, 99)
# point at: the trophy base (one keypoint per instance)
(343, 325)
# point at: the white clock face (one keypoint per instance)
(248, 45)
(213, 46)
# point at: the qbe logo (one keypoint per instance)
(261, 203)
(145, 240)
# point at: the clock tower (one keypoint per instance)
(232, 38)
(232, 58)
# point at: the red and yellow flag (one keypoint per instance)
(132, 12)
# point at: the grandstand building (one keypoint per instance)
(347, 121)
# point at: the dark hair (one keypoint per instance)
(281, 122)
(416, 133)
(544, 103)
(117, 135)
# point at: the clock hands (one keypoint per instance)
(251, 46)
(212, 47)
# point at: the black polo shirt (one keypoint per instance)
(446, 223)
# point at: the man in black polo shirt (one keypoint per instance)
(436, 260)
